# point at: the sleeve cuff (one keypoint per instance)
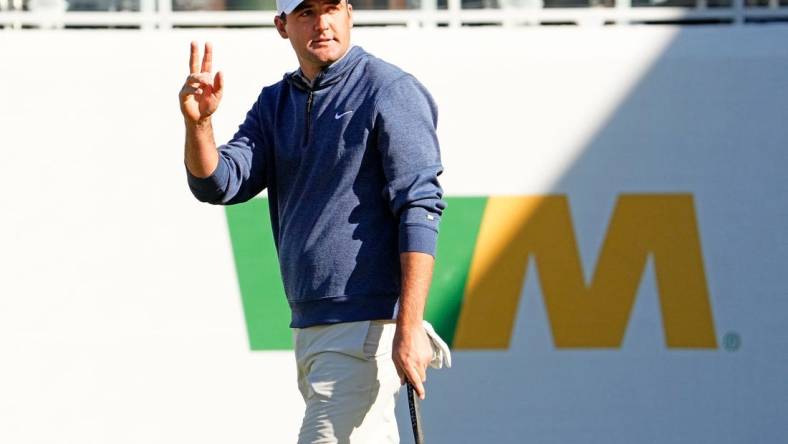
(211, 188)
(418, 238)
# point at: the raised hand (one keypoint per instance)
(202, 91)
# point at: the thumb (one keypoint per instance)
(218, 83)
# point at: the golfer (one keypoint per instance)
(346, 147)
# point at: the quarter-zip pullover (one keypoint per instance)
(351, 165)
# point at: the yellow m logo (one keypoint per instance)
(596, 315)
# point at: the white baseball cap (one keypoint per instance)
(286, 6)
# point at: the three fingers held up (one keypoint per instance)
(202, 90)
(200, 68)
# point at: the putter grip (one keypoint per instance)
(415, 414)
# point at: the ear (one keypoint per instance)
(350, 13)
(280, 27)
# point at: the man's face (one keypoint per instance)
(319, 31)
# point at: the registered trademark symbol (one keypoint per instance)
(731, 341)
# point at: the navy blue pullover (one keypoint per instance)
(351, 166)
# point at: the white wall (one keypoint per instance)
(120, 319)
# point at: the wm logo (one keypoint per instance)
(483, 252)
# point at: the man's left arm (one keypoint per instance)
(406, 120)
(412, 350)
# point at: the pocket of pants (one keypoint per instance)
(379, 338)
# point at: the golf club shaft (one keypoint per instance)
(415, 414)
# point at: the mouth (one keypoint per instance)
(322, 41)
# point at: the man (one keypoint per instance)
(346, 147)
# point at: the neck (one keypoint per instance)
(310, 71)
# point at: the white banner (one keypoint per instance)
(120, 311)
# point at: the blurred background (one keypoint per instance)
(166, 14)
(611, 264)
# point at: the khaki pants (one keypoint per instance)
(349, 383)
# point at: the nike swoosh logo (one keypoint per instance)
(337, 116)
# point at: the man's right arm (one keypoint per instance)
(200, 154)
(232, 173)
(235, 171)
(199, 99)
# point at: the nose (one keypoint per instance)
(322, 22)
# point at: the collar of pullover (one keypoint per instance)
(330, 74)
